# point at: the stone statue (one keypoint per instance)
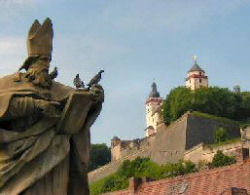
(44, 125)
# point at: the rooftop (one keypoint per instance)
(233, 179)
(196, 67)
(154, 93)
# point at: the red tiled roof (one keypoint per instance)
(197, 76)
(215, 181)
(154, 99)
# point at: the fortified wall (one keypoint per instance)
(190, 130)
(169, 144)
(122, 148)
(204, 153)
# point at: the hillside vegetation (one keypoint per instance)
(217, 101)
(144, 167)
(140, 167)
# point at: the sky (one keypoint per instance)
(135, 42)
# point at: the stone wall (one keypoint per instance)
(202, 130)
(203, 153)
(123, 148)
(190, 130)
(170, 142)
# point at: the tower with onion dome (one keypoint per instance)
(153, 110)
(196, 77)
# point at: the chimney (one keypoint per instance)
(235, 191)
(134, 183)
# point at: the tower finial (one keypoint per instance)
(195, 58)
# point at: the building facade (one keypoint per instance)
(196, 77)
(154, 105)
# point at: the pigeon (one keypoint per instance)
(53, 74)
(28, 62)
(78, 82)
(95, 80)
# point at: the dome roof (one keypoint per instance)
(154, 93)
(115, 138)
(196, 67)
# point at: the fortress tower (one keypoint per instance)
(196, 77)
(153, 111)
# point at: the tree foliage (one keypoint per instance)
(221, 135)
(221, 159)
(100, 155)
(214, 100)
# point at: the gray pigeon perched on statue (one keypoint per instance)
(96, 79)
(54, 73)
(78, 82)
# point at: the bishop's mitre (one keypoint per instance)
(39, 42)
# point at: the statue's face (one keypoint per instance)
(43, 62)
(39, 71)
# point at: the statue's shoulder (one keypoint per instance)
(57, 91)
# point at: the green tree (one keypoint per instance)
(221, 135)
(177, 103)
(214, 100)
(245, 104)
(100, 155)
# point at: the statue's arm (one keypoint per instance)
(25, 106)
(20, 107)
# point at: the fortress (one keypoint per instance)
(196, 79)
(187, 138)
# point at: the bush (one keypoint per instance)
(221, 159)
(140, 167)
(214, 100)
(111, 183)
(180, 168)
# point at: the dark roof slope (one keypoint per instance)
(196, 67)
(154, 93)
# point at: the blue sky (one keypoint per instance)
(134, 41)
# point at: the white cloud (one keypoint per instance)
(12, 54)
(18, 2)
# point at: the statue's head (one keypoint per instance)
(39, 45)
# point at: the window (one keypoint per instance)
(200, 80)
